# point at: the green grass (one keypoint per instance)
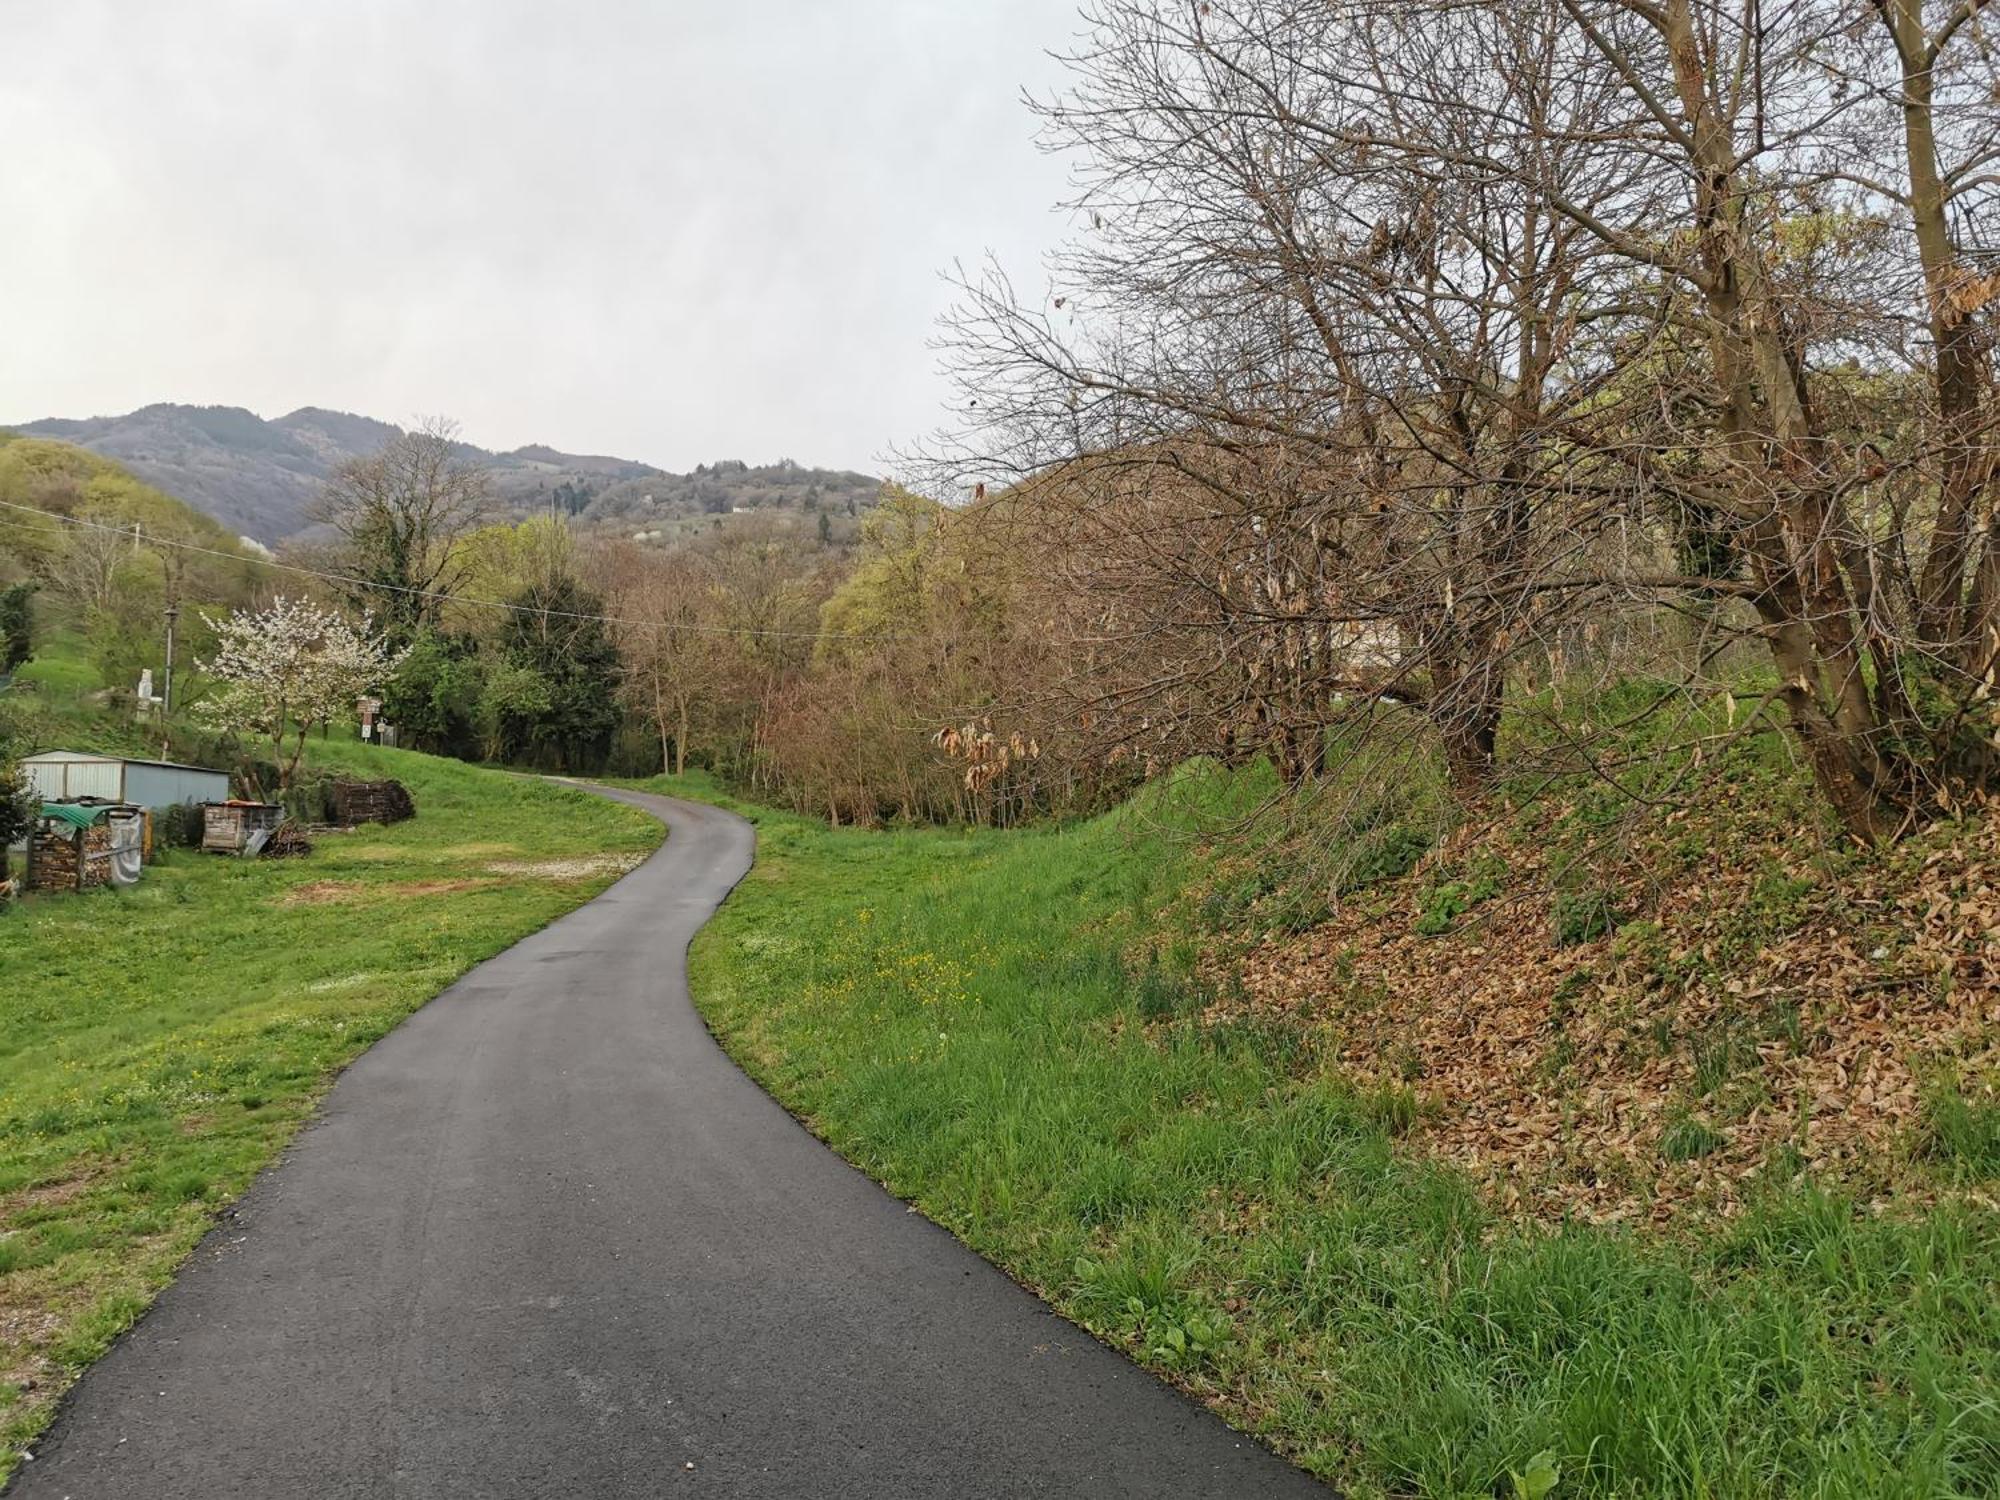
(159, 1045)
(1961, 1133)
(954, 1012)
(61, 668)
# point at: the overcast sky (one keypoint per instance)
(660, 229)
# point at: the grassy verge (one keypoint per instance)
(159, 1045)
(953, 1012)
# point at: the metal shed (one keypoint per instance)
(61, 774)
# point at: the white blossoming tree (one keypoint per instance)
(284, 671)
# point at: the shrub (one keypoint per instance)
(179, 826)
(1385, 853)
(1583, 915)
(1445, 904)
(17, 801)
(309, 800)
(16, 626)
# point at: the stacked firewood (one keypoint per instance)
(371, 802)
(57, 854)
(287, 841)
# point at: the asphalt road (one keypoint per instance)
(545, 1240)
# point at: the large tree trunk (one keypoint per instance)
(1804, 599)
(1469, 741)
(1942, 615)
(1464, 705)
(660, 723)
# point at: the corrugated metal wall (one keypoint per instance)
(168, 786)
(151, 786)
(76, 778)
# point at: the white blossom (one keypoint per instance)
(291, 668)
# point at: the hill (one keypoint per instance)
(258, 477)
(61, 479)
(253, 476)
(669, 502)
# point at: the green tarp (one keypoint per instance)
(72, 814)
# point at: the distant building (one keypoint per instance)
(60, 775)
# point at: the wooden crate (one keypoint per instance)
(226, 826)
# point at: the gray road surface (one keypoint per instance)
(545, 1240)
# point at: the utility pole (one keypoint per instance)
(167, 685)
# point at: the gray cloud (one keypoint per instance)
(670, 231)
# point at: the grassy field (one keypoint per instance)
(159, 1045)
(61, 668)
(955, 1014)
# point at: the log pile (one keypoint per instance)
(357, 802)
(69, 859)
(287, 841)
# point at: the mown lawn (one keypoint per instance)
(158, 1046)
(952, 1013)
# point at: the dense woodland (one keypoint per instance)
(816, 662)
(546, 642)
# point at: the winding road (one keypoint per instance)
(545, 1240)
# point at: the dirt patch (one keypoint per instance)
(44, 1195)
(568, 869)
(435, 887)
(319, 893)
(24, 1332)
(1670, 1062)
(335, 892)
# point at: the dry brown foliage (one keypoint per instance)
(1724, 1034)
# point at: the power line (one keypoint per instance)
(136, 534)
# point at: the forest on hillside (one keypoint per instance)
(537, 642)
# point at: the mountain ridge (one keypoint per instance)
(259, 476)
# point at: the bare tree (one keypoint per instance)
(674, 662)
(93, 552)
(1940, 82)
(400, 514)
(1409, 343)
